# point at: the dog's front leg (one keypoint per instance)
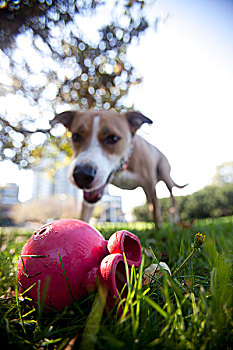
(87, 210)
(153, 204)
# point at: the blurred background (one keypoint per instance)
(171, 60)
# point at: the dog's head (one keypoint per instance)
(101, 141)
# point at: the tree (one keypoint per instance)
(211, 201)
(142, 213)
(59, 67)
(19, 16)
(224, 174)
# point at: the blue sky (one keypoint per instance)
(187, 69)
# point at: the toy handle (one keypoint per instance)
(113, 267)
(126, 242)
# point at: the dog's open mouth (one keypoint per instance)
(94, 196)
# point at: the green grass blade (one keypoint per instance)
(89, 337)
(156, 306)
(18, 306)
(67, 282)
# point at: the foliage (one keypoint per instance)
(224, 174)
(192, 310)
(142, 213)
(19, 16)
(52, 65)
(211, 201)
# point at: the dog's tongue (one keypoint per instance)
(94, 196)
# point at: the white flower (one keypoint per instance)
(154, 271)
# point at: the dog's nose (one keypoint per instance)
(83, 175)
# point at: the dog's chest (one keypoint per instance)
(126, 180)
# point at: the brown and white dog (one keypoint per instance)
(106, 150)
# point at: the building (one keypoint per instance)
(44, 186)
(8, 197)
(111, 208)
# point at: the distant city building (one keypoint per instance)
(43, 186)
(9, 194)
(8, 197)
(111, 208)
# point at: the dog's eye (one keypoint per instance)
(111, 139)
(76, 138)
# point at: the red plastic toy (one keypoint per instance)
(64, 260)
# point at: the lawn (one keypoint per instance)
(191, 309)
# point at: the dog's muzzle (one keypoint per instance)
(84, 175)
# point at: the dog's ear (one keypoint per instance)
(135, 120)
(65, 118)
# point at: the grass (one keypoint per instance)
(190, 310)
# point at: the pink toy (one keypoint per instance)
(85, 256)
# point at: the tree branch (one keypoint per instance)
(22, 130)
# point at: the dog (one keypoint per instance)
(106, 149)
